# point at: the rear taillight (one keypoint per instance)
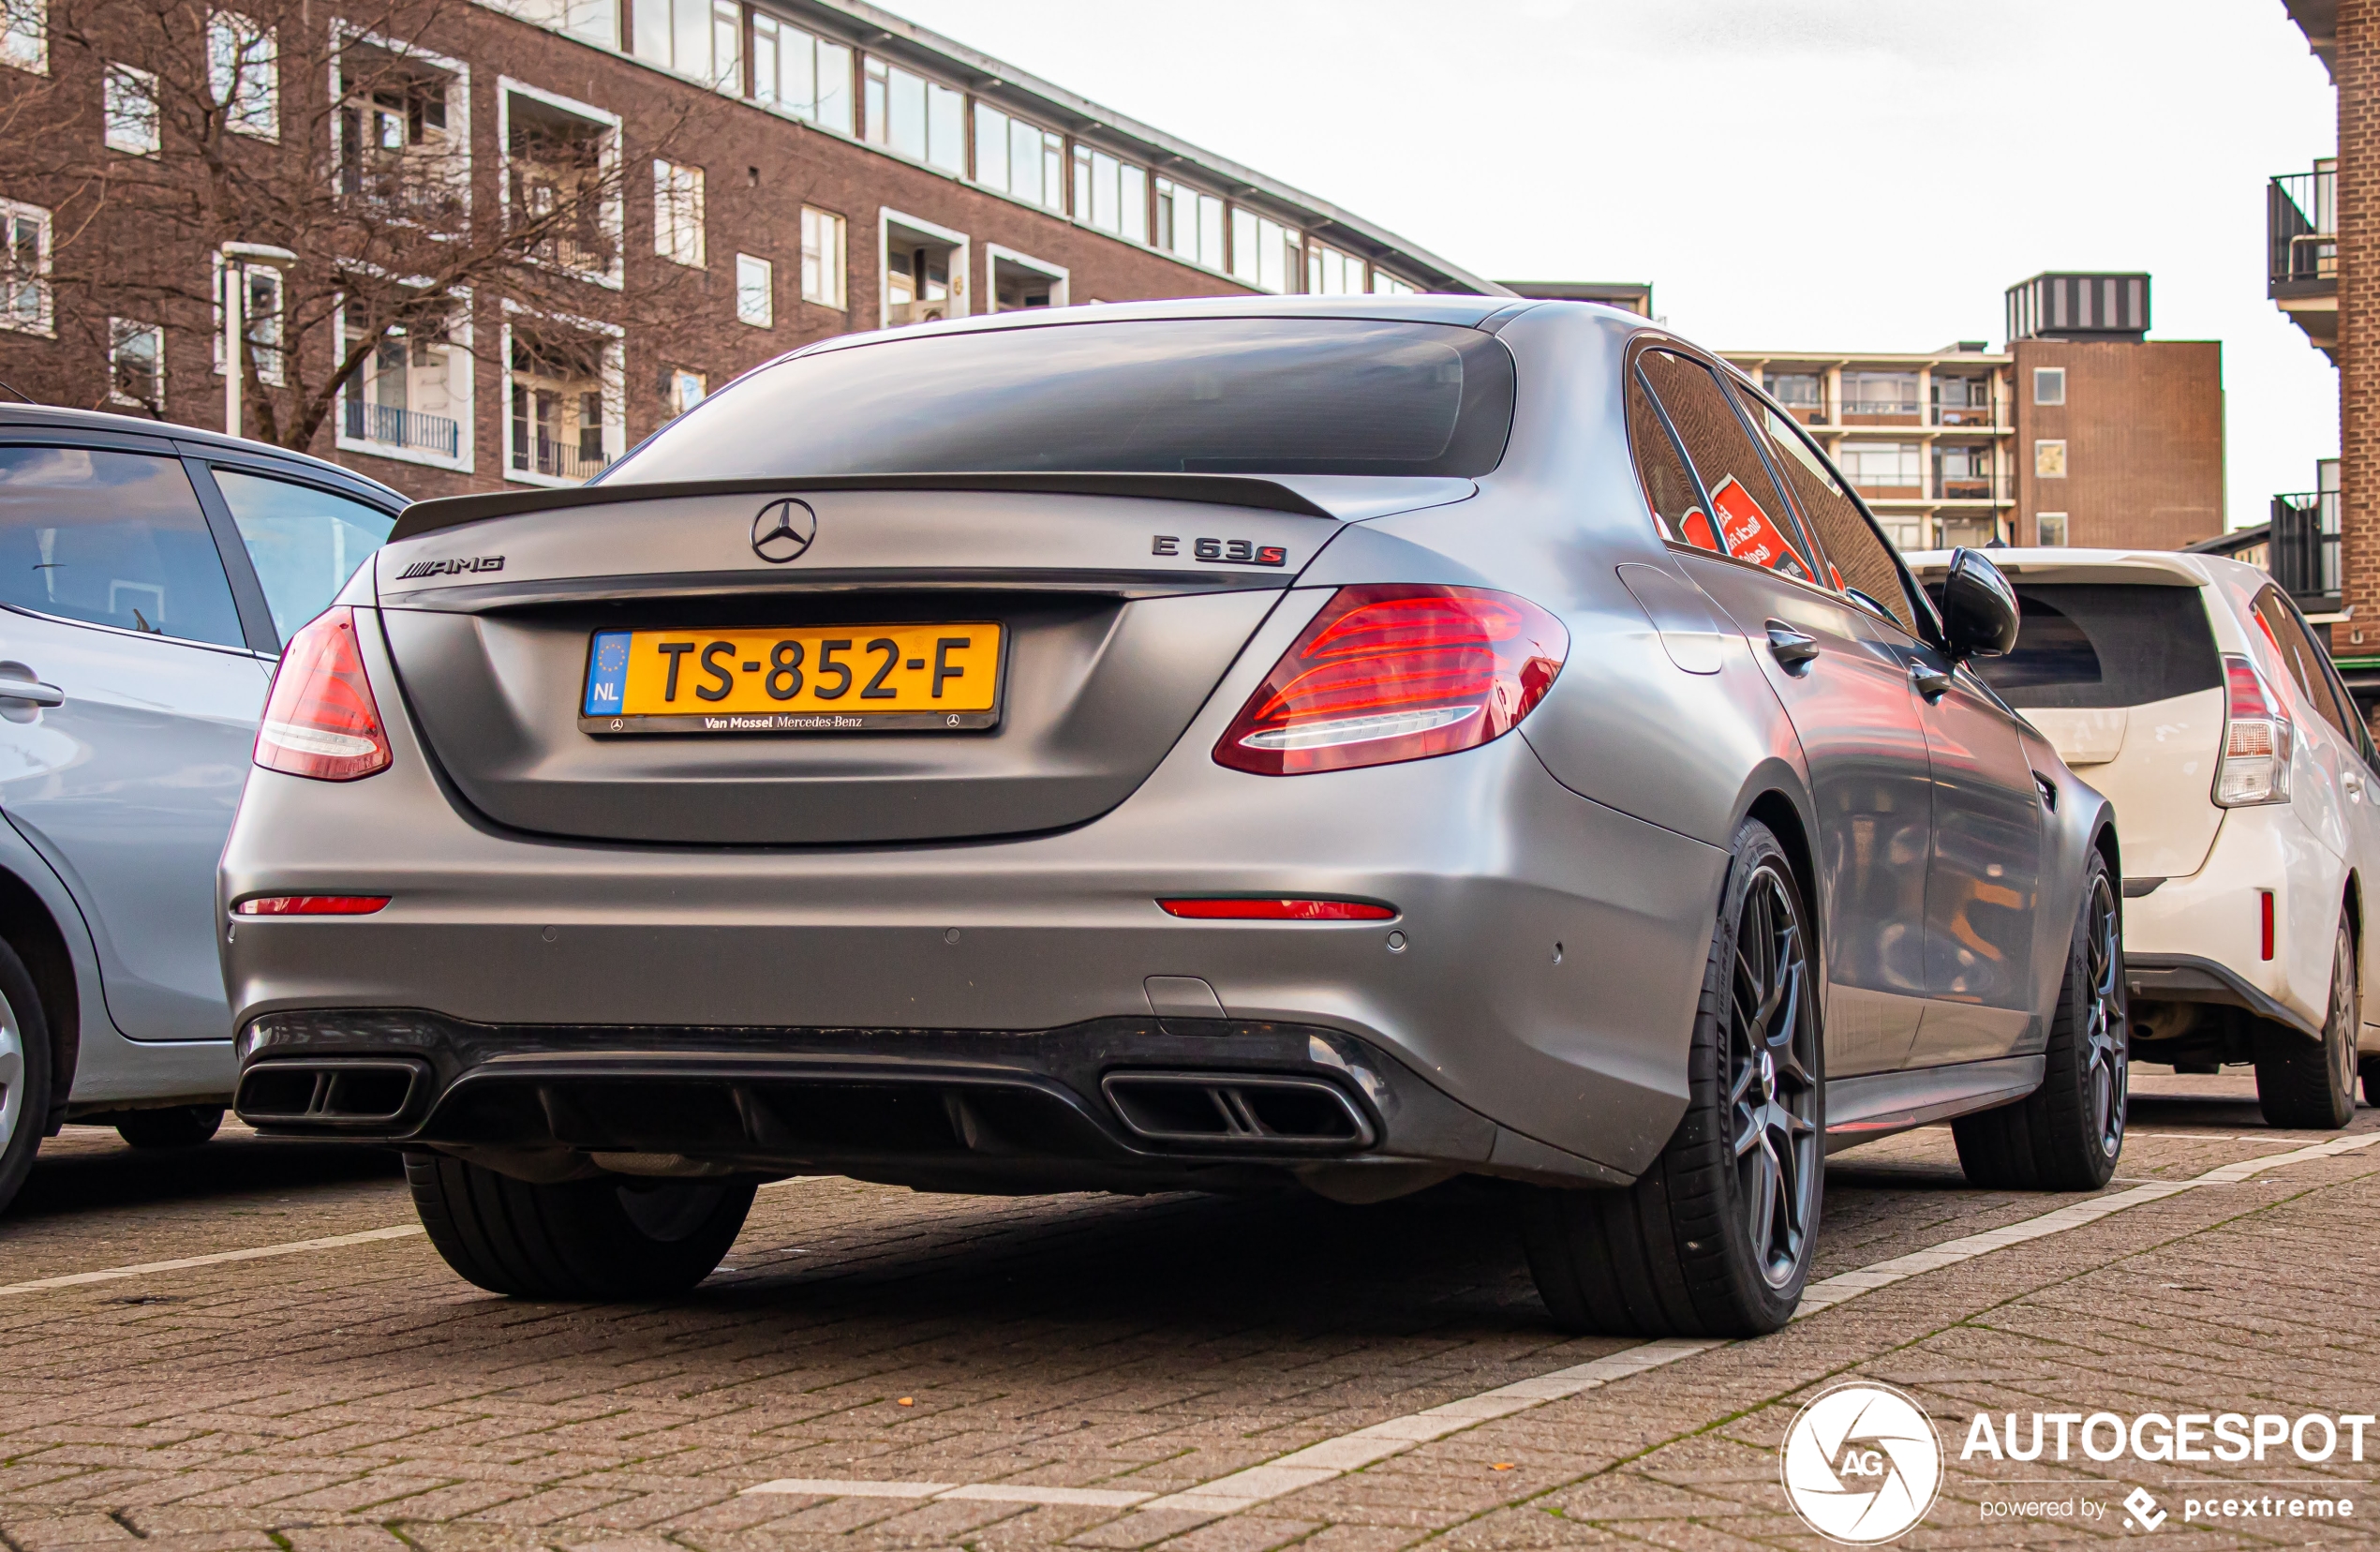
(321, 719)
(262, 905)
(2255, 740)
(1397, 672)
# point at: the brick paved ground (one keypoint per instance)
(364, 1396)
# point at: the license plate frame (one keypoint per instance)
(802, 713)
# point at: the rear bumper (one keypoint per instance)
(2212, 920)
(1115, 1104)
(2188, 979)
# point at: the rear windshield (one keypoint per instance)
(2091, 646)
(1200, 396)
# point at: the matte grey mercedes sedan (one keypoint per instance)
(1353, 742)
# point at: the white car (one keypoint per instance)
(2189, 690)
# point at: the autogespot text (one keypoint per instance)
(2155, 1436)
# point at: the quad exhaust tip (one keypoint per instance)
(346, 1091)
(1261, 1111)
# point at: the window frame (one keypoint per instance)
(262, 121)
(458, 334)
(611, 216)
(841, 266)
(767, 270)
(2058, 372)
(46, 326)
(2042, 444)
(35, 60)
(679, 189)
(2065, 534)
(611, 380)
(120, 84)
(120, 332)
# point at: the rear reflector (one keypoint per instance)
(1279, 910)
(2264, 907)
(2256, 734)
(1387, 673)
(310, 905)
(321, 719)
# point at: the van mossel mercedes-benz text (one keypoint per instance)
(1354, 742)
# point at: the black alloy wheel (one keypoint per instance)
(2068, 1133)
(1773, 1096)
(2311, 1084)
(1716, 1237)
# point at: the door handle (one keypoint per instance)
(31, 694)
(1931, 682)
(1791, 648)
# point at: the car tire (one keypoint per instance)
(24, 1074)
(2311, 1084)
(601, 1239)
(1715, 1239)
(179, 1126)
(2068, 1133)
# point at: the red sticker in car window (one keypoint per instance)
(1696, 526)
(1749, 534)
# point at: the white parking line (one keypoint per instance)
(293, 1247)
(1352, 1451)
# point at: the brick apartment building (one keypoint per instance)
(824, 166)
(2081, 432)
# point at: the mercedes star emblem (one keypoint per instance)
(783, 531)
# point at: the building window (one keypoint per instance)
(678, 212)
(1962, 401)
(2049, 459)
(1264, 253)
(398, 144)
(1020, 158)
(24, 268)
(25, 34)
(2049, 385)
(1189, 224)
(806, 76)
(920, 119)
(559, 163)
(128, 110)
(702, 39)
(2050, 529)
(243, 73)
(822, 257)
(136, 364)
(594, 21)
(413, 394)
(683, 389)
(1331, 273)
(1963, 473)
(1385, 284)
(565, 422)
(261, 314)
(755, 291)
(1796, 390)
(1879, 467)
(1111, 194)
(1880, 394)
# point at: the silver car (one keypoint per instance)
(148, 576)
(1352, 741)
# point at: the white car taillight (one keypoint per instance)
(2255, 740)
(320, 719)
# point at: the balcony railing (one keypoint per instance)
(431, 187)
(2302, 228)
(1881, 407)
(1962, 414)
(2305, 543)
(394, 427)
(556, 458)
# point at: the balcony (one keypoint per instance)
(2304, 548)
(1962, 414)
(1882, 411)
(2301, 252)
(558, 458)
(394, 427)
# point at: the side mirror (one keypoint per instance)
(1979, 608)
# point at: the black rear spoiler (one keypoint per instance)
(1214, 489)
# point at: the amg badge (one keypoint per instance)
(452, 567)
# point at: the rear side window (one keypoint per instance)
(1677, 506)
(1754, 523)
(2093, 646)
(112, 539)
(305, 542)
(1233, 396)
(1853, 547)
(2303, 657)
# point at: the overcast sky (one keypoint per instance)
(1864, 174)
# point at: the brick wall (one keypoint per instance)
(759, 168)
(2357, 74)
(2144, 434)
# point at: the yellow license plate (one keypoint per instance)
(809, 678)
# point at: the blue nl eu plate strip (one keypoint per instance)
(608, 674)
